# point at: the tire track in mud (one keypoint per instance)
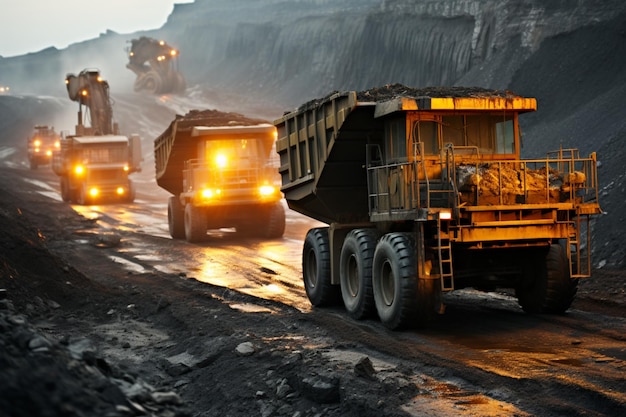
(263, 269)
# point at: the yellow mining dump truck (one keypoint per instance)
(222, 171)
(425, 192)
(41, 144)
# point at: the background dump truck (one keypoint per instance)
(41, 145)
(222, 171)
(424, 192)
(95, 163)
(155, 64)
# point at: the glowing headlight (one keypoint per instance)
(266, 190)
(120, 191)
(94, 192)
(221, 160)
(209, 193)
(79, 170)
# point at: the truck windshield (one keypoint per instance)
(490, 134)
(395, 133)
(232, 153)
(104, 154)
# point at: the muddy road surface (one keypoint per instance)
(224, 328)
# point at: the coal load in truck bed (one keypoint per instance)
(213, 118)
(391, 91)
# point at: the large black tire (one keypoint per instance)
(66, 194)
(546, 285)
(355, 272)
(83, 196)
(150, 82)
(276, 221)
(316, 268)
(130, 197)
(175, 218)
(195, 223)
(394, 280)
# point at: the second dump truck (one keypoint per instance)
(425, 192)
(41, 145)
(221, 170)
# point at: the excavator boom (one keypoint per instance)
(91, 92)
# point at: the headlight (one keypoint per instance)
(221, 160)
(209, 193)
(120, 191)
(94, 192)
(266, 190)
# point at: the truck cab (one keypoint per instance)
(95, 169)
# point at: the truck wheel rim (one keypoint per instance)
(311, 269)
(353, 276)
(387, 283)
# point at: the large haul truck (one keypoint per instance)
(221, 170)
(41, 145)
(94, 164)
(156, 65)
(425, 192)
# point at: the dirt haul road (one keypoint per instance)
(103, 314)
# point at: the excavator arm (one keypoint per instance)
(91, 92)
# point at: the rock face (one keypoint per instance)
(302, 49)
(310, 47)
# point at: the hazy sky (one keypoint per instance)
(32, 25)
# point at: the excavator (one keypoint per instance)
(155, 63)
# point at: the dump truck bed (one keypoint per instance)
(178, 143)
